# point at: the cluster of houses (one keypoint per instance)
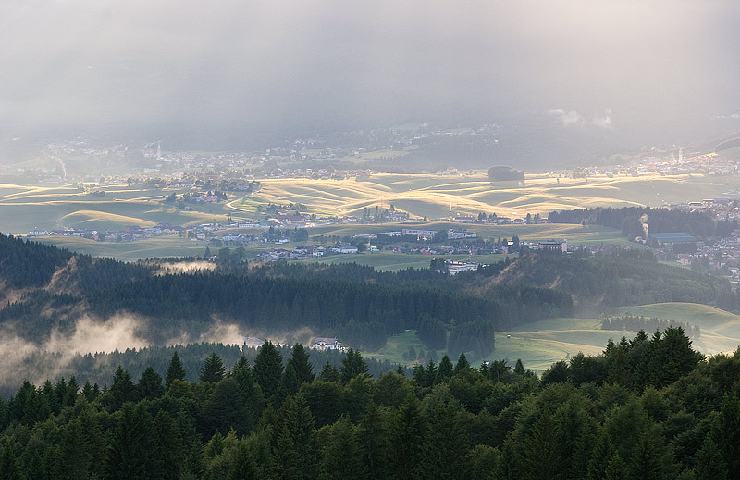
(130, 234)
(317, 343)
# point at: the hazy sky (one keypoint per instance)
(240, 68)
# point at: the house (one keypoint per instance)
(454, 267)
(253, 342)
(676, 242)
(553, 246)
(425, 234)
(344, 249)
(326, 343)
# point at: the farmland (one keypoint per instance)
(422, 195)
(435, 195)
(430, 199)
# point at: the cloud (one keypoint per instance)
(573, 118)
(604, 121)
(242, 71)
(567, 117)
(88, 336)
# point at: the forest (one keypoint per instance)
(648, 408)
(55, 288)
(48, 290)
(661, 220)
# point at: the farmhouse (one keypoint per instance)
(454, 267)
(419, 233)
(326, 343)
(344, 249)
(553, 246)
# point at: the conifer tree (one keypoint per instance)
(150, 384)
(329, 373)
(294, 444)
(122, 390)
(519, 367)
(299, 360)
(352, 365)
(268, 369)
(445, 369)
(213, 369)
(462, 364)
(175, 370)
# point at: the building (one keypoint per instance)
(345, 249)
(454, 267)
(676, 242)
(253, 342)
(429, 234)
(559, 246)
(326, 343)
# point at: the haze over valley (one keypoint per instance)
(369, 240)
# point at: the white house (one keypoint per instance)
(326, 343)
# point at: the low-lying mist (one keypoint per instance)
(36, 362)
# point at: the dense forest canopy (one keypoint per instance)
(649, 408)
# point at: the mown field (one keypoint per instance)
(434, 196)
(24, 208)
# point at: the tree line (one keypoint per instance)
(661, 220)
(649, 408)
(635, 323)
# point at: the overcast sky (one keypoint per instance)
(249, 68)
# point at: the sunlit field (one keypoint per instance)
(430, 196)
(437, 196)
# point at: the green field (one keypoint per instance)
(720, 330)
(397, 347)
(540, 344)
(398, 261)
(165, 246)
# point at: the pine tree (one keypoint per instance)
(329, 373)
(122, 390)
(150, 385)
(352, 365)
(290, 382)
(132, 446)
(268, 369)
(519, 367)
(538, 451)
(374, 435)
(299, 360)
(407, 452)
(213, 369)
(342, 455)
(462, 364)
(175, 370)
(294, 444)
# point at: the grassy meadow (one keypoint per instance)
(540, 344)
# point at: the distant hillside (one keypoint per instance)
(627, 277)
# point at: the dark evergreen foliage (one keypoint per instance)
(651, 408)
